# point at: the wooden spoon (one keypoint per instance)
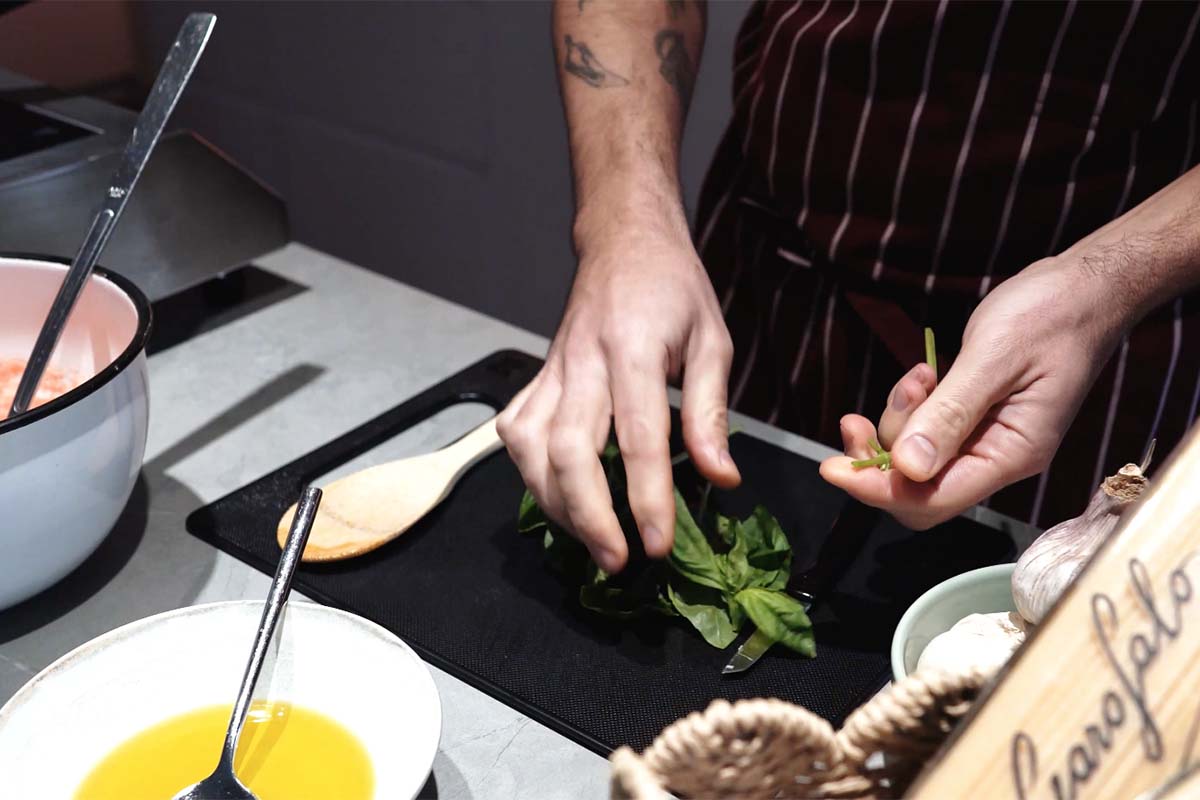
(368, 509)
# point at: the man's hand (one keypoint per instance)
(641, 312)
(1030, 353)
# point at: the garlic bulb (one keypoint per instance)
(977, 641)
(1054, 559)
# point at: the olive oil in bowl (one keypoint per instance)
(285, 752)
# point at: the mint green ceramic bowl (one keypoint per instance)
(981, 591)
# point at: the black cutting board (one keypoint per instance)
(474, 597)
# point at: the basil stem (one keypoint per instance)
(882, 458)
(883, 461)
(930, 351)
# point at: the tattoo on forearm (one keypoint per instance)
(674, 64)
(581, 63)
(676, 7)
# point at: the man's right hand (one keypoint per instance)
(641, 312)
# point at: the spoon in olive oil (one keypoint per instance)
(223, 783)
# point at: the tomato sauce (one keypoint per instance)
(54, 383)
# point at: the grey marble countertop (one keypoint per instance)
(236, 402)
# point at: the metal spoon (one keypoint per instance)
(223, 784)
(172, 78)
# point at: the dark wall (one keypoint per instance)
(424, 140)
(93, 50)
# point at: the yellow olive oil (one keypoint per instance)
(285, 753)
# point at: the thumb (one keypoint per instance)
(938, 427)
(705, 414)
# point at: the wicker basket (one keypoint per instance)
(773, 749)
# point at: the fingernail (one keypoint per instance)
(608, 560)
(653, 539)
(899, 399)
(918, 451)
(720, 456)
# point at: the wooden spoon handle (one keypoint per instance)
(470, 449)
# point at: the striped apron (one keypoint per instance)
(887, 163)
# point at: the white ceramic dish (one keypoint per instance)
(121, 683)
(67, 468)
(987, 590)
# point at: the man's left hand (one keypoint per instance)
(1030, 352)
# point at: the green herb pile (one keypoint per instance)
(716, 580)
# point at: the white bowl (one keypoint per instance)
(987, 590)
(329, 661)
(67, 468)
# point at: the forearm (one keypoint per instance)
(1150, 254)
(626, 68)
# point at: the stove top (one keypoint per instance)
(196, 213)
(23, 131)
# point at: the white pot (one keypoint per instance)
(69, 717)
(67, 468)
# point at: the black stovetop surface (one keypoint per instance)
(23, 131)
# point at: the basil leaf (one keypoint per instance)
(737, 614)
(759, 554)
(692, 556)
(769, 552)
(773, 580)
(703, 607)
(663, 605)
(529, 516)
(726, 529)
(780, 617)
(614, 473)
(738, 572)
(766, 544)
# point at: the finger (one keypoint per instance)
(575, 466)
(514, 406)
(965, 481)
(938, 427)
(908, 393)
(857, 433)
(643, 422)
(868, 485)
(524, 429)
(704, 412)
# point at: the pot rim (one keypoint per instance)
(135, 347)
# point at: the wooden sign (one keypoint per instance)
(1103, 701)
(1185, 786)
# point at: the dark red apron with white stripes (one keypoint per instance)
(888, 163)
